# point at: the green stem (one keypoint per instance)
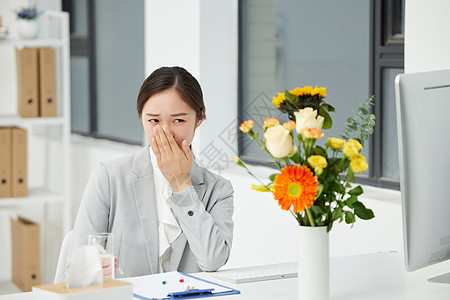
(310, 217)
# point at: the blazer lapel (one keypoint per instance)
(144, 197)
(179, 244)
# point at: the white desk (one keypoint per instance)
(378, 276)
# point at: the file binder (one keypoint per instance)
(47, 83)
(27, 82)
(175, 285)
(5, 162)
(26, 254)
(19, 163)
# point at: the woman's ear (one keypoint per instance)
(201, 119)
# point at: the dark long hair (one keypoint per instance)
(177, 78)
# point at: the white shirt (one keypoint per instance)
(168, 227)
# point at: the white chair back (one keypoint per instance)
(62, 261)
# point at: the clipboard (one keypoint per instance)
(176, 285)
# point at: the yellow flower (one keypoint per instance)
(307, 90)
(270, 123)
(246, 126)
(278, 100)
(350, 150)
(317, 161)
(319, 91)
(356, 144)
(297, 92)
(336, 143)
(312, 133)
(358, 164)
(262, 188)
(290, 125)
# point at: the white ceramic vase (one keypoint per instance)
(27, 29)
(313, 263)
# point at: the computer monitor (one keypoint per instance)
(423, 127)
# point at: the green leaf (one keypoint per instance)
(356, 191)
(337, 214)
(319, 192)
(328, 122)
(351, 121)
(363, 110)
(317, 210)
(351, 200)
(349, 217)
(362, 212)
(327, 106)
(320, 151)
(289, 96)
(272, 176)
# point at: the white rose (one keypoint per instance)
(307, 118)
(278, 141)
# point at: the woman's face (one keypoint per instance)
(169, 111)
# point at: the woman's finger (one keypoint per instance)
(164, 135)
(161, 140)
(187, 150)
(172, 143)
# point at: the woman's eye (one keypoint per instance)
(178, 120)
(153, 121)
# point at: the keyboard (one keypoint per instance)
(255, 274)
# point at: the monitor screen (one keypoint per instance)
(423, 125)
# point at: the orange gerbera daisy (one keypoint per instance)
(295, 186)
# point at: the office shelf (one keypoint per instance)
(59, 40)
(52, 136)
(36, 196)
(15, 120)
(54, 43)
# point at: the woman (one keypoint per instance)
(166, 212)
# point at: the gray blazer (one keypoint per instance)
(119, 198)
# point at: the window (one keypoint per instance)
(107, 67)
(348, 47)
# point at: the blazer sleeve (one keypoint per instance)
(209, 230)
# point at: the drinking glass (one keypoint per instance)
(104, 242)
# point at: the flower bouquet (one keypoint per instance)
(314, 182)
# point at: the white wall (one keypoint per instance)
(200, 35)
(427, 45)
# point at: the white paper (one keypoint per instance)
(158, 286)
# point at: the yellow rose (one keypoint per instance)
(317, 161)
(350, 150)
(358, 164)
(336, 143)
(307, 118)
(356, 144)
(278, 141)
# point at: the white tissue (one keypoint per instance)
(85, 268)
